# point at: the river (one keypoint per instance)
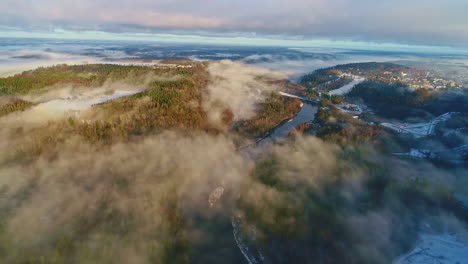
(307, 114)
(280, 132)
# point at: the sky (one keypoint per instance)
(403, 22)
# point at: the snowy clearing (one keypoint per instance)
(419, 129)
(418, 153)
(437, 249)
(347, 88)
(351, 108)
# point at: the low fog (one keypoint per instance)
(238, 87)
(14, 61)
(171, 196)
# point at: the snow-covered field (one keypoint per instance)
(419, 153)
(462, 150)
(457, 155)
(351, 108)
(437, 249)
(419, 129)
(348, 87)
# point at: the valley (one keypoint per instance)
(275, 136)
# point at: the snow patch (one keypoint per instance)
(420, 129)
(347, 88)
(418, 153)
(437, 249)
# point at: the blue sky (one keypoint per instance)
(419, 23)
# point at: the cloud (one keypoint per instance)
(365, 210)
(431, 22)
(17, 59)
(238, 87)
(128, 186)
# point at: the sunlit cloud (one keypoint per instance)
(431, 22)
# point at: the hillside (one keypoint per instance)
(157, 164)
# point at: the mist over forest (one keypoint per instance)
(114, 152)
